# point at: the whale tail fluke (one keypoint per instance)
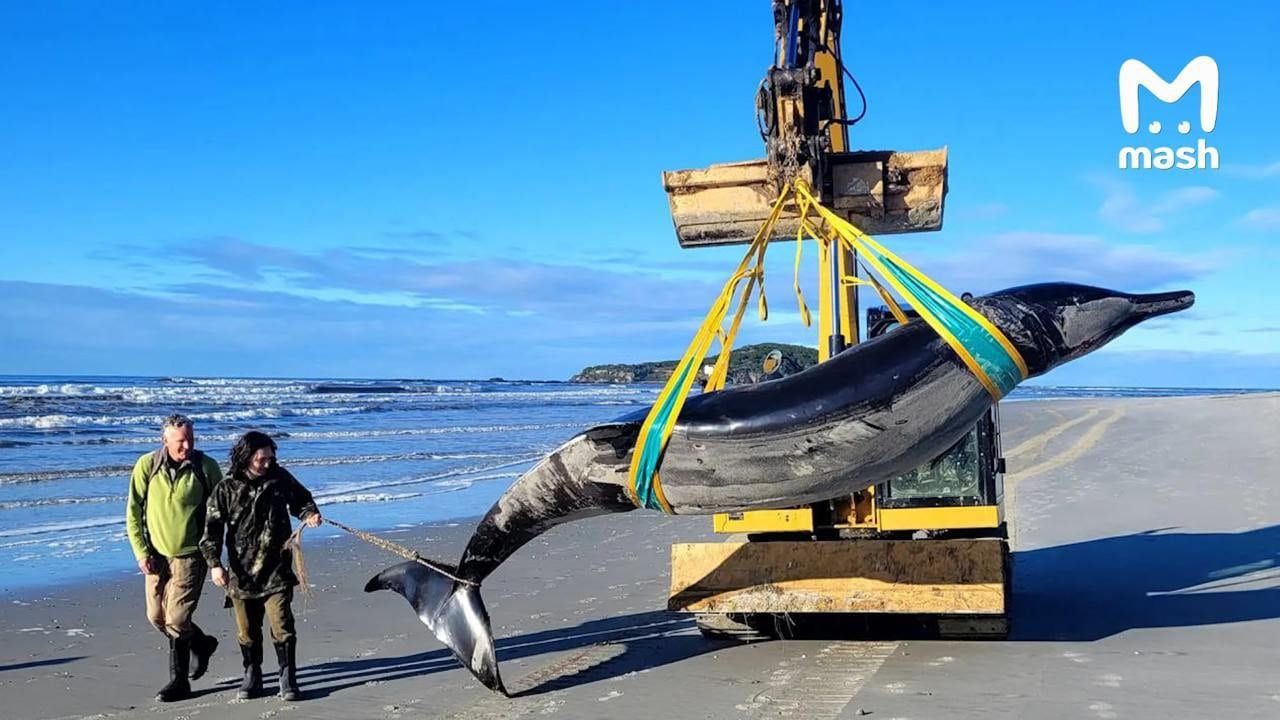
(452, 610)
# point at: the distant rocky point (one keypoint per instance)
(746, 365)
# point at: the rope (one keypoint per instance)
(391, 547)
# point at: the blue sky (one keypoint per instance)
(314, 189)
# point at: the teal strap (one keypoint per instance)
(646, 472)
(990, 355)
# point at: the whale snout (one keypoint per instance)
(1154, 304)
(1076, 319)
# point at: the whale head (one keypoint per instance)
(1053, 323)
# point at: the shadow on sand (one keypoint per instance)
(629, 643)
(1159, 578)
(1078, 592)
(41, 663)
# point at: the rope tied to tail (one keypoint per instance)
(300, 568)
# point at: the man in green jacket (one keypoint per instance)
(165, 517)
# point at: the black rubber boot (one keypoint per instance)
(286, 654)
(179, 688)
(202, 648)
(251, 686)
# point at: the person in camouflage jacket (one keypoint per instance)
(249, 513)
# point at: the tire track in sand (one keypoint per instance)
(1071, 454)
(1036, 444)
(820, 685)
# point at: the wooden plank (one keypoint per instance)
(881, 192)
(873, 576)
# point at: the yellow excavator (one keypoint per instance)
(930, 545)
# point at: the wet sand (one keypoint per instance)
(1146, 586)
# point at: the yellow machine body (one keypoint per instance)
(855, 554)
(755, 522)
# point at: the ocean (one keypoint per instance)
(377, 454)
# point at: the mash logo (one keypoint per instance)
(1135, 74)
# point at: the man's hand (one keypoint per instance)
(313, 520)
(149, 566)
(219, 577)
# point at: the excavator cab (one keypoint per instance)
(961, 489)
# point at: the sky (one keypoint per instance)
(351, 190)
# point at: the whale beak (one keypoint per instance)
(1155, 304)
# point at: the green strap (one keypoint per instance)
(651, 451)
(985, 349)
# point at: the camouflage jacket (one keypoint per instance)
(252, 518)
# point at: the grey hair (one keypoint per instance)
(177, 420)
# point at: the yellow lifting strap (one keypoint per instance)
(980, 345)
(644, 486)
(984, 349)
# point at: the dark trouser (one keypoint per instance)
(278, 610)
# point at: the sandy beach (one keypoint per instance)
(1145, 586)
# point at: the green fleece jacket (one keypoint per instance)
(166, 506)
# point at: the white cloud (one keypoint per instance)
(1122, 208)
(1169, 368)
(1265, 219)
(1256, 172)
(1183, 198)
(1018, 258)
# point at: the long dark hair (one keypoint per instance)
(242, 452)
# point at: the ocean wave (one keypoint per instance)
(340, 389)
(143, 399)
(386, 457)
(363, 498)
(461, 483)
(441, 479)
(38, 399)
(47, 502)
(219, 382)
(337, 434)
(448, 481)
(46, 528)
(229, 395)
(76, 390)
(35, 476)
(62, 420)
(150, 439)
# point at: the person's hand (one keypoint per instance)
(148, 565)
(219, 577)
(313, 520)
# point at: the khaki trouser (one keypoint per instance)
(278, 610)
(173, 593)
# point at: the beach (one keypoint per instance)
(1145, 586)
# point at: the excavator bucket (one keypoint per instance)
(880, 192)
